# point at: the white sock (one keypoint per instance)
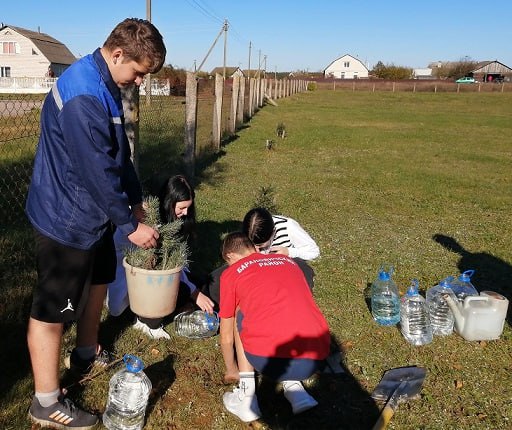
(292, 386)
(48, 399)
(248, 383)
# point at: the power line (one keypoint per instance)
(204, 10)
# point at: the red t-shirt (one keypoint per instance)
(280, 316)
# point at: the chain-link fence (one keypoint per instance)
(160, 140)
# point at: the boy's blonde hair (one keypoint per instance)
(140, 41)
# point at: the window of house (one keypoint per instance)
(5, 72)
(346, 64)
(34, 52)
(10, 48)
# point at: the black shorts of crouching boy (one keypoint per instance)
(65, 275)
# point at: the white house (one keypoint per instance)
(26, 53)
(231, 72)
(346, 67)
(425, 73)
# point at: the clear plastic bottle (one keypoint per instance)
(385, 300)
(127, 397)
(462, 286)
(441, 316)
(414, 320)
(196, 324)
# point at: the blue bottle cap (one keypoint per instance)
(384, 276)
(413, 289)
(466, 275)
(133, 364)
(212, 320)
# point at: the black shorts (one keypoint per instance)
(65, 275)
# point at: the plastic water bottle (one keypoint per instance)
(441, 316)
(127, 397)
(196, 324)
(414, 320)
(385, 300)
(462, 286)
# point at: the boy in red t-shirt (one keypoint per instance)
(279, 330)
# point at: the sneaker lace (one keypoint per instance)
(103, 358)
(69, 405)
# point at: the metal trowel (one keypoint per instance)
(397, 386)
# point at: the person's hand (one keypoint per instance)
(144, 237)
(283, 250)
(204, 302)
(139, 212)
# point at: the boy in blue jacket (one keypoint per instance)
(83, 186)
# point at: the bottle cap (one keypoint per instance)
(413, 289)
(466, 275)
(133, 364)
(384, 276)
(212, 320)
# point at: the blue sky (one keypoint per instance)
(293, 35)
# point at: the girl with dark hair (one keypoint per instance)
(176, 202)
(275, 234)
(278, 234)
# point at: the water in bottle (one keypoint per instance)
(127, 397)
(441, 316)
(414, 318)
(196, 324)
(385, 301)
(462, 286)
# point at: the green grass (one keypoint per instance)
(373, 177)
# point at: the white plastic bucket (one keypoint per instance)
(152, 293)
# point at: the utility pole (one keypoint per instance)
(249, 66)
(264, 66)
(211, 47)
(148, 76)
(225, 46)
(259, 63)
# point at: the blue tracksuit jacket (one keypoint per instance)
(83, 177)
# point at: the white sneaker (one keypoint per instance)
(298, 397)
(154, 333)
(243, 406)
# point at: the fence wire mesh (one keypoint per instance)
(161, 147)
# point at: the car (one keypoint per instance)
(466, 80)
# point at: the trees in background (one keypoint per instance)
(453, 69)
(390, 71)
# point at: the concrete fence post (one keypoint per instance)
(217, 111)
(190, 123)
(130, 97)
(241, 102)
(250, 103)
(234, 104)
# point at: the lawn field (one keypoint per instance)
(419, 180)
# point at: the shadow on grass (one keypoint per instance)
(206, 252)
(14, 356)
(342, 402)
(162, 376)
(491, 273)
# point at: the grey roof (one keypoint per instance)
(55, 51)
(229, 70)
